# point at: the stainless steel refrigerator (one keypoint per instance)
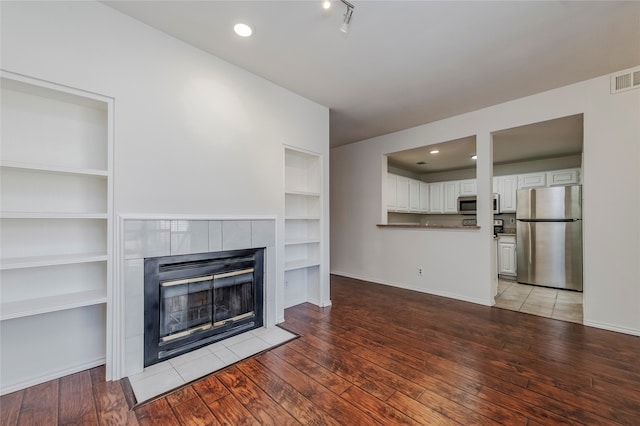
(549, 236)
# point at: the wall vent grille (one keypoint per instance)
(625, 80)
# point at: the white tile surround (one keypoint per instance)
(144, 238)
(165, 376)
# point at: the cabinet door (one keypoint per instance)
(402, 194)
(424, 197)
(507, 258)
(414, 196)
(532, 180)
(468, 187)
(391, 192)
(435, 197)
(451, 193)
(563, 177)
(507, 187)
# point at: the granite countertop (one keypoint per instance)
(429, 226)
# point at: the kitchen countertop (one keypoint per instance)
(431, 226)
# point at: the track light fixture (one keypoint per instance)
(347, 16)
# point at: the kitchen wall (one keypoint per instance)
(461, 264)
(194, 135)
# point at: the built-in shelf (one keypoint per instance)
(23, 308)
(53, 169)
(304, 193)
(302, 218)
(52, 215)
(56, 229)
(299, 264)
(301, 241)
(303, 230)
(38, 261)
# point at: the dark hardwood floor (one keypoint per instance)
(382, 356)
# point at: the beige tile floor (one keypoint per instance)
(563, 305)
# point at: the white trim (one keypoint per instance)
(615, 328)
(421, 290)
(51, 376)
(169, 216)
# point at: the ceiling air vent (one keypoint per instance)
(625, 80)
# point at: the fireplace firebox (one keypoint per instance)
(197, 299)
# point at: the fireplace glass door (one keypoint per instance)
(233, 296)
(185, 307)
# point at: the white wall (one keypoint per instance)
(194, 135)
(460, 263)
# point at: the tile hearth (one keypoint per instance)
(168, 375)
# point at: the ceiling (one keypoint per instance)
(406, 63)
(547, 139)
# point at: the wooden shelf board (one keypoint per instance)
(24, 308)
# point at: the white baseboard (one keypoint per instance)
(421, 290)
(611, 327)
(51, 376)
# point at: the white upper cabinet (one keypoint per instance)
(563, 177)
(532, 180)
(414, 196)
(424, 197)
(402, 194)
(436, 197)
(391, 192)
(506, 186)
(467, 187)
(451, 193)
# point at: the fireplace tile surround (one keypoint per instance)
(143, 238)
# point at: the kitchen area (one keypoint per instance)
(537, 217)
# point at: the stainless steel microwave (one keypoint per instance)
(468, 204)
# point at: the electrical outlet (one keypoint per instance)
(419, 272)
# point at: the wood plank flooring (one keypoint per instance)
(382, 356)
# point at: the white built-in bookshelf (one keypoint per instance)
(55, 230)
(303, 230)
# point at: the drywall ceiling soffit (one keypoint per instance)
(547, 139)
(406, 63)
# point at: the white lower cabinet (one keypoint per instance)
(507, 261)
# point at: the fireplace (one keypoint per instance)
(194, 300)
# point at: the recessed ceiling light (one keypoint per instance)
(243, 30)
(326, 4)
(474, 157)
(435, 151)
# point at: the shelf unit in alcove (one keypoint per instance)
(55, 230)
(303, 231)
